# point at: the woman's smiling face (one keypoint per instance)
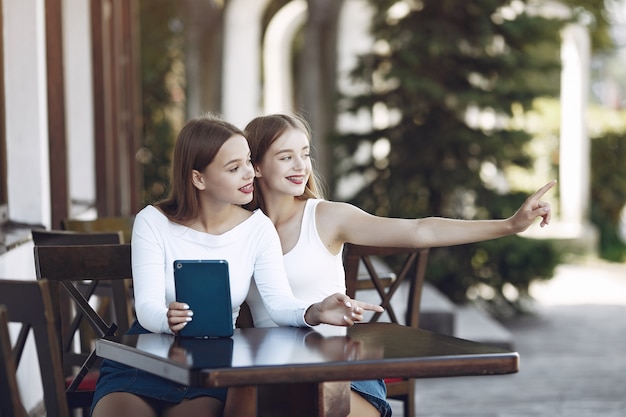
(286, 166)
(229, 177)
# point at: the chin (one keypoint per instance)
(245, 200)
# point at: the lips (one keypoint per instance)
(247, 188)
(297, 179)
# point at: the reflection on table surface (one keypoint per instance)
(260, 347)
(322, 344)
(300, 355)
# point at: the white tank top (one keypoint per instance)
(313, 272)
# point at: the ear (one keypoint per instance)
(257, 172)
(197, 179)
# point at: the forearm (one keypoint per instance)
(438, 231)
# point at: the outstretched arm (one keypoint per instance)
(341, 222)
(446, 232)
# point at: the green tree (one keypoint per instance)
(161, 56)
(448, 76)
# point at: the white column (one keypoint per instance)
(241, 91)
(277, 47)
(79, 100)
(26, 111)
(353, 39)
(574, 142)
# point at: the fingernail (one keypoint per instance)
(184, 324)
(353, 314)
(190, 313)
(345, 318)
(186, 306)
(188, 319)
(348, 304)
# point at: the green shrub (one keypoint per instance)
(497, 272)
(608, 192)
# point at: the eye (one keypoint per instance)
(235, 169)
(286, 158)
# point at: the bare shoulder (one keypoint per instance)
(336, 210)
(341, 217)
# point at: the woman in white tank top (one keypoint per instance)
(313, 231)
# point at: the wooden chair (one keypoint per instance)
(102, 224)
(68, 268)
(412, 271)
(43, 237)
(69, 326)
(30, 303)
(10, 400)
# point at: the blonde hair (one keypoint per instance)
(261, 133)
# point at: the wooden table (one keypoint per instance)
(301, 361)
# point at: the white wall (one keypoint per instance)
(26, 111)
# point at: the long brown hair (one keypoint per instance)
(261, 132)
(196, 146)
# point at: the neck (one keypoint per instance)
(281, 209)
(216, 219)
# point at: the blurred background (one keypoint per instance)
(419, 108)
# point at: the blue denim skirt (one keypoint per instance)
(375, 392)
(116, 377)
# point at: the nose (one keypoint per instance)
(299, 163)
(249, 171)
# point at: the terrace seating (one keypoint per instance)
(37, 316)
(78, 270)
(412, 268)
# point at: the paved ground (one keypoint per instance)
(572, 356)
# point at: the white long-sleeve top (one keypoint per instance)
(313, 272)
(252, 249)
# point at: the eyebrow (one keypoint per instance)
(237, 160)
(278, 152)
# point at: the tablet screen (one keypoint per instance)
(205, 286)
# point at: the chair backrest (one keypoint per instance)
(411, 270)
(42, 237)
(68, 321)
(30, 303)
(102, 224)
(402, 267)
(10, 400)
(69, 267)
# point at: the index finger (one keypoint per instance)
(370, 307)
(540, 192)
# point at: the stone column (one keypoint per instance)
(574, 142)
(278, 75)
(241, 91)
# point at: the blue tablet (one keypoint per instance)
(205, 286)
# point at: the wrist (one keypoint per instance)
(312, 315)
